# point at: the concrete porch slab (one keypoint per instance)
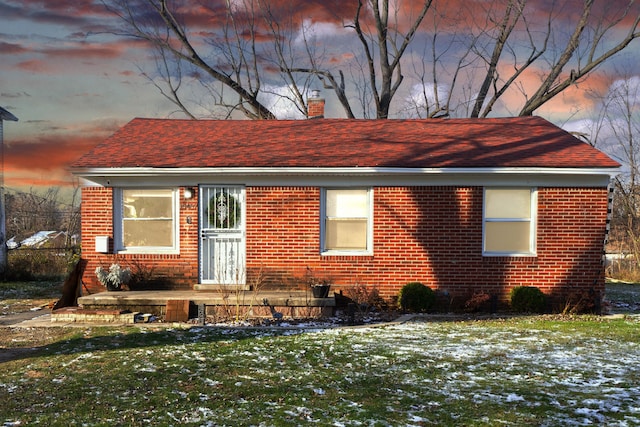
(214, 305)
(243, 298)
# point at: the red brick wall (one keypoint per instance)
(175, 271)
(427, 234)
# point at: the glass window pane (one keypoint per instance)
(224, 209)
(148, 233)
(148, 218)
(147, 203)
(346, 234)
(347, 203)
(507, 203)
(510, 237)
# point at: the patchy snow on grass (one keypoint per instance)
(417, 373)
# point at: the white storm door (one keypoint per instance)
(222, 231)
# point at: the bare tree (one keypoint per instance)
(391, 43)
(252, 40)
(30, 212)
(585, 50)
(617, 131)
(235, 66)
(502, 52)
(246, 50)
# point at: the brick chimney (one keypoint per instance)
(315, 105)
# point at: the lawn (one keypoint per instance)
(532, 370)
(523, 371)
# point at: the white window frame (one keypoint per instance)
(532, 220)
(323, 228)
(118, 223)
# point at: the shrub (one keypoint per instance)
(479, 301)
(366, 298)
(581, 302)
(527, 299)
(39, 264)
(416, 297)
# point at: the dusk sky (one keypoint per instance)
(71, 83)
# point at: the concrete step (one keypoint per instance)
(78, 314)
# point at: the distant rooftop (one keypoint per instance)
(5, 115)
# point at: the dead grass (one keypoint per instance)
(18, 297)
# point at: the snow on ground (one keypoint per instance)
(585, 380)
(424, 373)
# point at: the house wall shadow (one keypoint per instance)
(144, 338)
(570, 233)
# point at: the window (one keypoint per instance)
(147, 220)
(347, 221)
(509, 226)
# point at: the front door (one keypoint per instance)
(222, 231)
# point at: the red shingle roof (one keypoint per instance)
(436, 143)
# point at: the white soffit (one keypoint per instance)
(349, 176)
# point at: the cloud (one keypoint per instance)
(56, 12)
(57, 59)
(47, 153)
(35, 65)
(421, 100)
(21, 94)
(86, 50)
(310, 30)
(627, 91)
(43, 159)
(278, 100)
(11, 49)
(330, 11)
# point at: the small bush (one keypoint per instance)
(25, 264)
(416, 297)
(366, 298)
(479, 301)
(581, 302)
(527, 299)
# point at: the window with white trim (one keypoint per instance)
(509, 221)
(347, 218)
(146, 220)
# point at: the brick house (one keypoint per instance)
(462, 205)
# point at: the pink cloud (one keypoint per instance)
(43, 160)
(51, 60)
(11, 49)
(48, 153)
(34, 65)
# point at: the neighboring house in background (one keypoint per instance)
(462, 205)
(54, 239)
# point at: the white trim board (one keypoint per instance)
(543, 177)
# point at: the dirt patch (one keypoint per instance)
(21, 305)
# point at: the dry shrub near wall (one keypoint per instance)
(35, 264)
(479, 301)
(581, 302)
(366, 298)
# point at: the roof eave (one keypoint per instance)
(148, 171)
(355, 171)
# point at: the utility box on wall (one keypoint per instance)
(102, 244)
